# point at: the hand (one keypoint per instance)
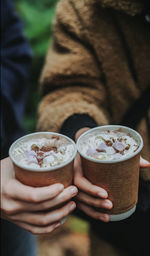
(91, 196)
(25, 205)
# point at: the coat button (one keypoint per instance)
(147, 17)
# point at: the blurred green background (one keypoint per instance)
(37, 17)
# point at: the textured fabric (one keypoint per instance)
(17, 241)
(99, 65)
(15, 64)
(100, 72)
(76, 122)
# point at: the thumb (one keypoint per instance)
(144, 163)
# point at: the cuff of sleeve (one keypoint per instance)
(76, 122)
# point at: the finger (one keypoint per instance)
(78, 165)
(17, 190)
(93, 213)
(11, 207)
(36, 230)
(45, 218)
(144, 163)
(63, 197)
(92, 201)
(81, 131)
(83, 184)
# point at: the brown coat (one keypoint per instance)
(99, 63)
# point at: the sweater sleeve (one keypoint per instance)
(71, 81)
(15, 64)
(76, 122)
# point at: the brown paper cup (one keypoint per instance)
(120, 178)
(39, 177)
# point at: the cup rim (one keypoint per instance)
(115, 160)
(44, 168)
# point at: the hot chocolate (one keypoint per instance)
(108, 145)
(43, 158)
(43, 152)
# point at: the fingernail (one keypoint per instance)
(108, 204)
(61, 187)
(73, 190)
(104, 217)
(72, 206)
(57, 225)
(102, 194)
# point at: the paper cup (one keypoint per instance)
(119, 177)
(39, 177)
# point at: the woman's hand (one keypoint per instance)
(90, 196)
(32, 208)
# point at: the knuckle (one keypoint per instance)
(37, 220)
(80, 194)
(39, 231)
(79, 205)
(43, 205)
(66, 211)
(43, 221)
(96, 215)
(33, 197)
(58, 215)
(61, 214)
(9, 210)
(90, 191)
(97, 203)
(91, 212)
(77, 181)
(7, 189)
(53, 194)
(34, 231)
(65, 196)
(49, 229)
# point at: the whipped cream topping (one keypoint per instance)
(108, 145)
(43, 152)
